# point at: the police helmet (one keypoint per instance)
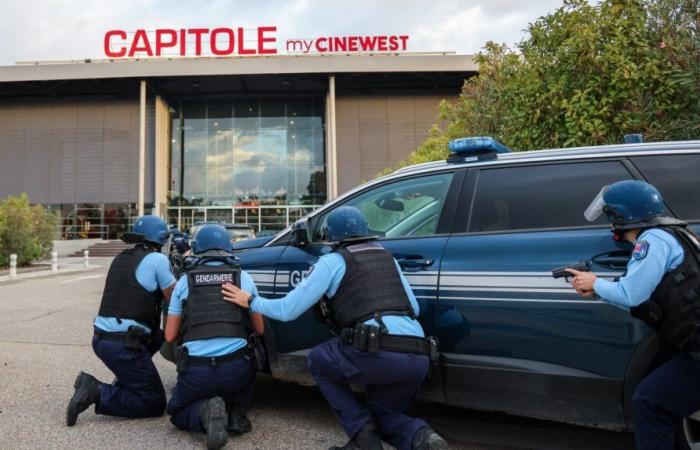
(150, 229)
(628, 204)
(345, 222)
(211, 237)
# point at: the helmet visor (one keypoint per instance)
(595, 209)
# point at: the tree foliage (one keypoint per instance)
(25, 230)
(584, 75)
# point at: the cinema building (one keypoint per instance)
(258, 140)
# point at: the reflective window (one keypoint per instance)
(547, 196)
(248, 152)
(676, 176)
(406, 208)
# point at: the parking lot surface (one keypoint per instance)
(45, 333)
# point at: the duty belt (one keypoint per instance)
(184, 360)
(133, 338)
(369, 338)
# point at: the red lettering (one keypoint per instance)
(161, 44)
(262, 39)
(137, 46)
(213, 41)
(368, 42)
(393, 43)
(339, 42)
(241, 45)
(403, 42)
(108, 46)
(198, 32)
(352, 43)
(318, 44)
(382, 43)
(183, 42)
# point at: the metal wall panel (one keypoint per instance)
(374, 133)
(74, 151)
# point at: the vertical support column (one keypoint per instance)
(331, 151)
(142, 147)
(162, 144)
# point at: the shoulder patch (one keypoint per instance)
(641, 249)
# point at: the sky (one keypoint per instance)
(32, 30)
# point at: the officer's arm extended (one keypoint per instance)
(643, 275)
(174, 319)
(257, 321)
(304, 296)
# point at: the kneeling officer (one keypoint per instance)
(215, 370)
(127, 329)
(381, 345)
(662, 288)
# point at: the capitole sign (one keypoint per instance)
(224, 41)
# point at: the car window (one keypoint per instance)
(544, 196)
(406, 208)
(676, 176)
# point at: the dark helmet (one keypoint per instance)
(180, 243)
(212, 237)
(344, 223)
(628, 204)
(151, 229)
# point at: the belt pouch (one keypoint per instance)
(359, 338)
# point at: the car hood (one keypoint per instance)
(251, 243)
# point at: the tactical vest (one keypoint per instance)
(124, 297)
(206, 314)
(371, 287)
(674, 307)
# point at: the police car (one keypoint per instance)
(477, 236)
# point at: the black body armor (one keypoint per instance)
(124, 297)
(205, 313)
(370, 288)
(673, 309)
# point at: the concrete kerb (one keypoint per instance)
(66, 267)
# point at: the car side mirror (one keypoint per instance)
(300, 233)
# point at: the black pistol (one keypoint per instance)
(561, 272)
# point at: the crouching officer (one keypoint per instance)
(381, 345)
(662, 288)
(215, 372)
(127, 329)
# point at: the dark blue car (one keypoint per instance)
(477, 237)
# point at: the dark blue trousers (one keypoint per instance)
(392, 381)
(663, 399)
(137, 390)
(232, 381)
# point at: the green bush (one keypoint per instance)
(584, 75)
(25, 230)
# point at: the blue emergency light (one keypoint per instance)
(477, 144)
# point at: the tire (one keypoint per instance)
(688, 436)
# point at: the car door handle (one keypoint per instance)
(411, 263)
(614, 260)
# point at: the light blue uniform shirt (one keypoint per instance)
(325, 278)
(153, 272)
(214, 346)
(663, 254)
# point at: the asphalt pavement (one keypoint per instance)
(45, 334)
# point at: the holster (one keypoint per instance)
(258, 350)
(181, 359)
(136, 338)
(365, 338)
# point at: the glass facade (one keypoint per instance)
(247, 152)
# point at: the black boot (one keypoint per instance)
(427, 439)
(366, 439)
(213, 416)
(87, 392)
(238, 422)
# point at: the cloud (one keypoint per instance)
(74, 29)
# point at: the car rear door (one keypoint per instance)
(513, 338)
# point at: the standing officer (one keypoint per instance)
(662, 288)
(381, 345)
(127, 329)
(215, 371)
